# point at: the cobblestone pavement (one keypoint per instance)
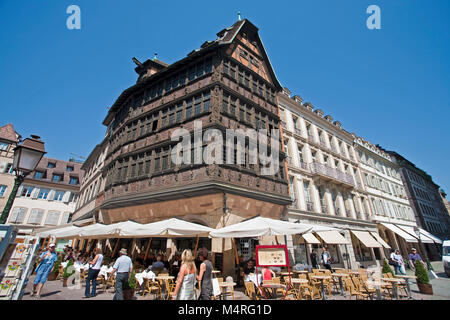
(53, 290)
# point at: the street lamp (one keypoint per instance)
(26, 158)
(417, 231)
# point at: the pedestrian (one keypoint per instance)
(186, 278)
(397, 259)
(46, 262)
(158, 265)
(94, 269)
(205, 275)
(326, 258)
(413, 256)
(313, 257)
(123, 267)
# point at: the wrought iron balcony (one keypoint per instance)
(309, 206)
(331, 173)
(303, 165)
(324, 208)
(298, 131)
(311, 138)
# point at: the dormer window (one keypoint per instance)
(51, 165)
(69, 168)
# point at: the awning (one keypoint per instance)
(410, 230)
(259, 226)
(405, 235)
(332, 237)
(309, 237)
(380, 240)
(366, 239)
(429, 235)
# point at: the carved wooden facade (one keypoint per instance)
(226, 84)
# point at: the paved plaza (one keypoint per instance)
(53, 290)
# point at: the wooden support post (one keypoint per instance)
(115, 248)
(235, 251)
(148, 248)
(196, 246)
(43, 243)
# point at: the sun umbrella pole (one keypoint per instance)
(196, 246)
(148, 248)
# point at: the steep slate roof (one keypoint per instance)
(7, 132)
(225, 37)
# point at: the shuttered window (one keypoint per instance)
(36, 216)
(52, 218)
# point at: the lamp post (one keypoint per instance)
(417, 231)
(26, 158)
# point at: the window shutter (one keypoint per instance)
(19, 191)
(66, 196)
(34, 193)
(52, 218)
(65, 217)
(51, 195)
(3, 167)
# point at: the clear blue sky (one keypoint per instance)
(390, 86)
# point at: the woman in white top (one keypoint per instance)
(186, 278)
(94, 269)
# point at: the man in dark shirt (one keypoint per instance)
(249, 268)
(413, 256)
(313, 257)
(158, 265)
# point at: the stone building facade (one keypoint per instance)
(387, 195)
(47, 196)
(8, 141)
(92, 186)
(325, 183)
(424, 197)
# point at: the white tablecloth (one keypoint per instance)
(104, 271)
(252, 277)
(143, 275)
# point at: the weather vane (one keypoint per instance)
(239, 15)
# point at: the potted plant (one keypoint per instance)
(423, 282)
(68, 271)
(129, 287)
(386, 268)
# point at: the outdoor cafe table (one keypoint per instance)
(163, 279)
(407, 283)
(377, 285)
(301, 271)
(340, 275)
(395, 283)
(273, 287)
(215, 272)
(322, 279)
(224, 285)
(284, 273)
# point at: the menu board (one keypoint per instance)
(272, 256)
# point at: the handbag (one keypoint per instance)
(393, 263)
